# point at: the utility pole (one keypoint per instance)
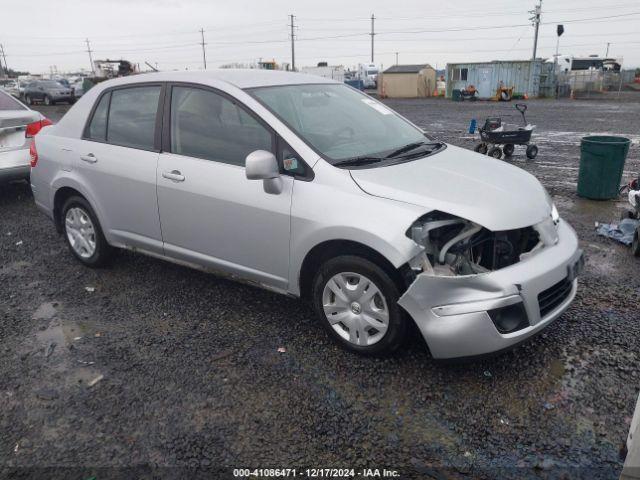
(4, 58)
(89, 51)
(204, 53)
(373, 33)
(293, 43)
(606, 55)
(536, 23)
(396, 58)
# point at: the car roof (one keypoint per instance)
(241, 78)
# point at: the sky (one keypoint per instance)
(41, 35)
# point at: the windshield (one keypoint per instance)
(338, 121)
(372, 72)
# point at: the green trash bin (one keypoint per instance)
(601, 165)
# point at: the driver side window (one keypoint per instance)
(207, 125)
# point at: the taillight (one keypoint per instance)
(34, 154)
(35, 127)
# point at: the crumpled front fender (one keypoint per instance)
(451, 311)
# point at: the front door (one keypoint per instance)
(210, 213)
(117, 160)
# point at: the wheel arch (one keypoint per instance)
(328, 249)
(61, 195)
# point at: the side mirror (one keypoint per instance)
(262, 165)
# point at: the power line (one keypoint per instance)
(354, 37)
(329, 37)
(395, 32)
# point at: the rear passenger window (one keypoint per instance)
(207, 125)
(98, 126)
(132, 117)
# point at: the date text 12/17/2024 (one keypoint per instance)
(315, 473)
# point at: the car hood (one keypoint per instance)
(489, 192)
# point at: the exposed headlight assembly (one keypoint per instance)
(456, 246)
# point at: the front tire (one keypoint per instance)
(28, 100)
(356, 302)
(83, 233)
(47, 100)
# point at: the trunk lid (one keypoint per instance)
(13, 125)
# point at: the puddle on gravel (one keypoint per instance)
(57, 334)
(46, 311)
(52, 345)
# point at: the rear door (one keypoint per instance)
(117, 160)
(211, 214)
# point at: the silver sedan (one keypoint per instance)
(308, 187)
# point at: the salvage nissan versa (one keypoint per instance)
(308, 187)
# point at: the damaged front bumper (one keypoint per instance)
(457, 314)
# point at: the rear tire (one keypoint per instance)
(495, 152)
(362, 302)
(508, 149)
(28, 100)
(83, 233)
(47, 100)
(532, 152)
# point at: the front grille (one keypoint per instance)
(553, 296)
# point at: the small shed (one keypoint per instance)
(533, 77)
(407, 81)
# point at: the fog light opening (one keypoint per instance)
(509, 319)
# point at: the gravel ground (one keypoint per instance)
(156, 367)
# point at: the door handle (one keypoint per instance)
(89, 158)
(174, 175)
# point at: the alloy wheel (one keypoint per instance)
(355, 308)
(80, 232)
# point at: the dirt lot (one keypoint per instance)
(157, 367)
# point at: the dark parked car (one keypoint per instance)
(48, 92)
